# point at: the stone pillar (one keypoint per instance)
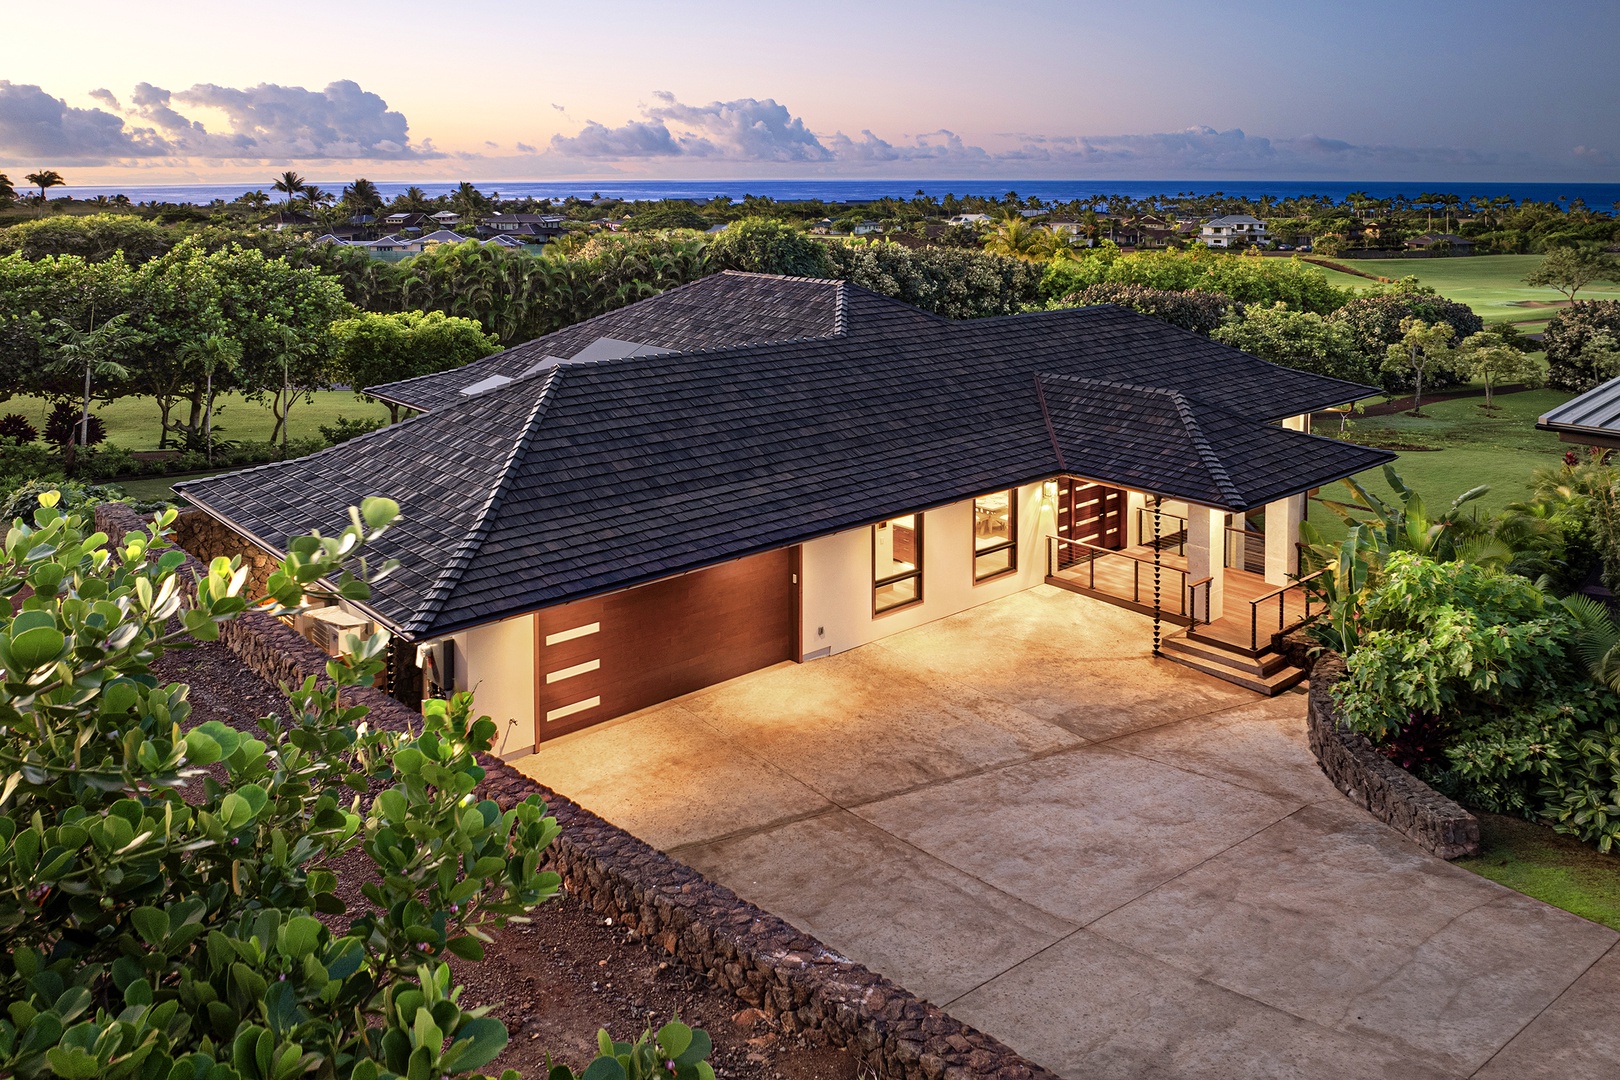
(1206, 550)
(1282, 535)
(1134, 501)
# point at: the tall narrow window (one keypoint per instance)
(897, 563)
(995, 535)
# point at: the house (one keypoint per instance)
(1233, 230)
(392, 242)
(866, 228)
(504, 241)
(537, 226)
(445, 218)
(749, 470)
(1432, 241)
(822, 227)
(405, 220)
(971, 220)
(441, 236)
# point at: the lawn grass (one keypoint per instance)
(132, 422)
(1472, 447)
(1493, 285)
(1560, 870)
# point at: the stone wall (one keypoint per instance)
(1377, 784)
(764, 960)
(207, 539)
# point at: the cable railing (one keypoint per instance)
(1245, 550)
(1118, 574)
(1172, 530)
(1280, 599)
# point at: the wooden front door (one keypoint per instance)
(1091, 514)
(614, 654)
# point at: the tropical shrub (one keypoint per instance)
(165, 919)
(62, 426)
(1571, 362)
(1297, 339)
(94, 237)
(1200, 312)
(16, 428)
(768, 246)
(343, 429)
(1374, 323)
(952, 282)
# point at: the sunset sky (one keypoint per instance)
(485, 90)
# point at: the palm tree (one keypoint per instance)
(362, 197)
(1450, 202)
(314, 198)
(88, 350)
(255, 200)
(8, 193)
(215, 352)
(44, 180)
(289, 182)
(468, 201)
(414, 201)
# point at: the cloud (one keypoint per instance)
(267, 122)
(525, 148)
(342, 122)
(36, 128)
(746, 129)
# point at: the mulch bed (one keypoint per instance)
(558, 979)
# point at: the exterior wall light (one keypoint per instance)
(1049, 492)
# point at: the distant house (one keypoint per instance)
(1233, 230)
(329, 238)
(442, 236)
(865, 228)
(287, 219)
(971, 220)
(504, 240)
(446, 218)
(393, 242)
(533, 226)
(405, 219)
(1441, 241)
(822, 227)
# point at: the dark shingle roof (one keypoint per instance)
(1150, 438)
(604, 474)
(713, 312)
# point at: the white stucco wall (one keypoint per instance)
(837, 575)
(496, 662)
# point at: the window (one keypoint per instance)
(897, 555)
(995, 535)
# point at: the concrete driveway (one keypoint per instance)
(1118, 866)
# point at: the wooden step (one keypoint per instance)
(1268, 674)
(1214, 652)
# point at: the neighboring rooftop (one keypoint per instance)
(1592, 418)
(578, 478)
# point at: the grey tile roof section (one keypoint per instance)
(1161, 441)
(599, 475)
(713, 312)
(1596, 412)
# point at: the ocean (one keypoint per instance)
(1596, 196)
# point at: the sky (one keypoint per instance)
(489, 90)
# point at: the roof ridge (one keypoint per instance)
(1189, 422)
(1206, 453)
(449, 577)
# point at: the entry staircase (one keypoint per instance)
(1265, 671)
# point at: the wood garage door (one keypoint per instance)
(614, 654)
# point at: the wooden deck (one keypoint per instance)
(1126, 579)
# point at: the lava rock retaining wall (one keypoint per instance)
(1374, 782)
(761, 958)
